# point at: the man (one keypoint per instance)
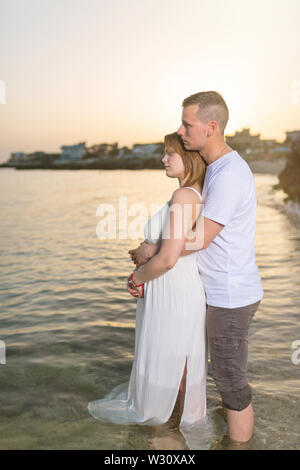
(226, 260)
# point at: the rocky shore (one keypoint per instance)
(289, 178)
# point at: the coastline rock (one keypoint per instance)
(289, 178)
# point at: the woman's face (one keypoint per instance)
(173, 164)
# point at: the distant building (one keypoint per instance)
(243, 140)
(124, 151)
(293, 136)
(281, 149)
(26, 158)
(73, 152)
(37, 154)
(18, 156)
(270, 144)
(144, 150)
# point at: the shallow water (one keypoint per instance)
(68, 322)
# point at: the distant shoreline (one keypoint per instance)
(257, 166)
(105, 164)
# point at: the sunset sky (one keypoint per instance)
(118, 70)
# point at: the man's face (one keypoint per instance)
(192, 131)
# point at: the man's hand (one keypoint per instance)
(143, 253)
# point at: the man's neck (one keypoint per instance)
(215, 151)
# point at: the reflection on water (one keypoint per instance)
(68, 321)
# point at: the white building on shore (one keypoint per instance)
(72, 152)
(144, 150)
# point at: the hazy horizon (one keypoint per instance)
(118, 71)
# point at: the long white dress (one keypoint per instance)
(170, 329)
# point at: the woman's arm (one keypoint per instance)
(184, 208)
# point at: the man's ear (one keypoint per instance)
(213, 126)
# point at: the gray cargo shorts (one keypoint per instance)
(227, 331)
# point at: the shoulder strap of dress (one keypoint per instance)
(189, 187)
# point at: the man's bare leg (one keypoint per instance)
(240, 424)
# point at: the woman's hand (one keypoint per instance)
(137, 292)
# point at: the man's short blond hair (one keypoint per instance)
(212, 107)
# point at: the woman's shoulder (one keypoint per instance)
(185, 195)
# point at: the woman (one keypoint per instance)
(170, 341)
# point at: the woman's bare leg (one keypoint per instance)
(181, 392)
(179, 405)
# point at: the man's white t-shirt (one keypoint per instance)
(227, 267)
